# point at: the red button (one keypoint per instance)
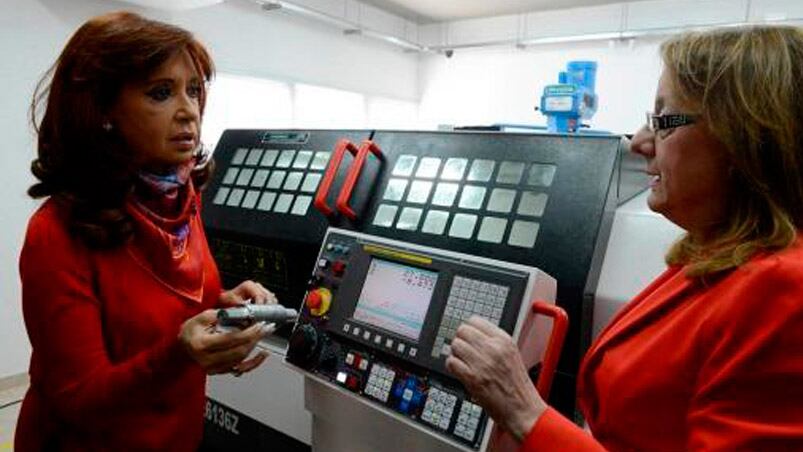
(313, 300)
(357, 359)
(338, 267)
(351, 382)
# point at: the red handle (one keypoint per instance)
(353, 176)
(560, 323)
(342, 146)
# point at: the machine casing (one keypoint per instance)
(377, 347)
(562, 190)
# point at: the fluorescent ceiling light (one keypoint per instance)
(394, 40)
(579, 38)
(349, 28)
(173, 5)
(355, 28)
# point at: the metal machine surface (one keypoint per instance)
(538, 200)
(377, 323)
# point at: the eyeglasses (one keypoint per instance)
(667, 122)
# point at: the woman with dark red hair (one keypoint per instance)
(118, 283)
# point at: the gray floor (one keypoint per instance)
(8, 415)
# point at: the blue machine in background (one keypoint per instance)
(572, 100)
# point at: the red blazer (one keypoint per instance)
(107, 370)
(687, 366)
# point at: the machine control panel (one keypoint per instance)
(379, 317)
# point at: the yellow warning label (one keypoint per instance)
(396, 254)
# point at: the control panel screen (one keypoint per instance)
(396, 297)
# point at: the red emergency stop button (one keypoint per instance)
(338, 268)
(314, 300)
(318, 301)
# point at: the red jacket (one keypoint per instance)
(107, 370)
(686, 366)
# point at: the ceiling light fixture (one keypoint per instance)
(349, 27)
(357, 29)
(580, 38)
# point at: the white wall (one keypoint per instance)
(505, 84)
(245, 40)
(31, 35)
(242, 39)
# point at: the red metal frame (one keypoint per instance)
(353, 176)
(341, 147)
(560, 324)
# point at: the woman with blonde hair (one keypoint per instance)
(710, 355)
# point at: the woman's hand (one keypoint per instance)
(485, 359)
(221, 352)
(247, 290)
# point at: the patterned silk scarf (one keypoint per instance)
(165, 211)
(160, 198)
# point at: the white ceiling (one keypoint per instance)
(427, 11)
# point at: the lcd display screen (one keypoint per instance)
(396, 297)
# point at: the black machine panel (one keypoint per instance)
(380, 315)
(540, 200)
(258, 210)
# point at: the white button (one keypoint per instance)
(446, 350)
(413, 352)
(350, 359)
(341, 377)
(366, 335)
(363, 364)
(323, 263)
(400, 348)
(356, 331)
(377, 339)
(346, 327)
(389, 343)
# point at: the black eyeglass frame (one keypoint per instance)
(668, 121)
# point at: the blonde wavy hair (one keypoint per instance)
(747, 86)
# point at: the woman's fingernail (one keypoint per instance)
(268, 329)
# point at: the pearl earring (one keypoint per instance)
(202, 156)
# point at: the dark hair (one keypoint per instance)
(746, 85)
(79, 164)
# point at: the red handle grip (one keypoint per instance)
(560, 323)
(353, 176)
(341, 147)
